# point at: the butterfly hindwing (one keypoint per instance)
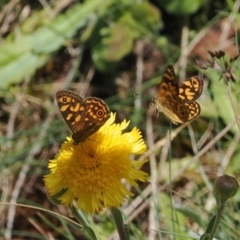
(191, 89)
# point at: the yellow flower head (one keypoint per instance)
(91, 172)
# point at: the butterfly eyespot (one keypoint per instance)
(100, 113)
(64, 99)
(182, 113)
(195, 83)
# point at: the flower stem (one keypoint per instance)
(83, 222)
(218, 217)
(213, 224)
(121, 227)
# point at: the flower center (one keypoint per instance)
(88, 157)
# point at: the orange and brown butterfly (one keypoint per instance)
(177, 101)
(83, 116)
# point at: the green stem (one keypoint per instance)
(233, 105)
(218, 218)
(82, 221)
(213, 224)
(121, 228)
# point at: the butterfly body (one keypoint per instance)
(177, 101)
(83, 116)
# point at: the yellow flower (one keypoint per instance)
(91, 173)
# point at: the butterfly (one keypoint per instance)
(177, 101)
(83, 116)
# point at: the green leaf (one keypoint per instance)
(22, 56)
(184, 7)
(78, 214)
(221, 99)
(121, 227)
(234, 166)
(191, 214)
(207, 235)
(91, 233)
(116, 40)
(146, 14)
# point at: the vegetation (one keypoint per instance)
(118, 51)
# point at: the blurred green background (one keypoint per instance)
(118, 51)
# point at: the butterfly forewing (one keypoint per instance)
(168, 85)
(71, 107)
